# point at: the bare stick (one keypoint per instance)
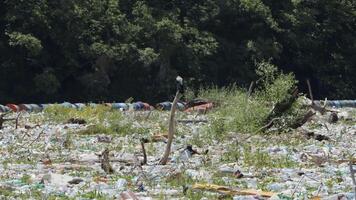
(267, 126)
(250, 89)
(38, 137)
(17, 120)
(297, 186)
(352, 172)
(164, 159)
(310, 91)
(105, 162)
(148, 115)
(144, 162)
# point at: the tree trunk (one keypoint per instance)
(164, 67)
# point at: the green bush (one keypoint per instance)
(248, 114)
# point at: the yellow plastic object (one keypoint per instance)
(231, 191)
(316, 198)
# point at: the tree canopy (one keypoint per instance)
(109, 50)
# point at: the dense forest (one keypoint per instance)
(110, 50)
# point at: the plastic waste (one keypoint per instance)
(122, 106)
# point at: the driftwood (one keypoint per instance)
(320, 108)
(282, 106)
(301, 121)
(164, 159)
(105, 162)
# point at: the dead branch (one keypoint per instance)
(310, 92)
(17, 120)
(301, 121)
(250, 89)
(267, 126)
(283, 105)
(315, 106)
(164, 159)
(38, 137)
(144, 162)
(105, 162)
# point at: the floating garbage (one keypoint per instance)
(120, 106)
(203, 107)
(167, 106)
(25, 107)
(338, 103)
(13, 107)
(79, 105)
(4, 108)
(36, 108)
(67, 105)
(62, 161)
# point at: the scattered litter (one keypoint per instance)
(310, 161)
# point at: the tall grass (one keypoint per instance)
(101, 119)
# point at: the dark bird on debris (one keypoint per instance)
(180, 86)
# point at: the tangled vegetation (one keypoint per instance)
(239, 111)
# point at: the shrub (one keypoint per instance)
(248, 114)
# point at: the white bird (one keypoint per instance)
(180, 86)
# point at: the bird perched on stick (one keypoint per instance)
(180, 90)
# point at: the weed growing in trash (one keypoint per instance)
(179, 180)
(264, 182)
(238, 113)
(95, 195)
(113, 129)
(256, 158)
(26, 179)
(182, 182)
(98, 114)
(102, 119)
(6, 191)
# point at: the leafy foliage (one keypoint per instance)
(241, 113)
(111, 50)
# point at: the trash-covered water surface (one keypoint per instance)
(99, 153)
